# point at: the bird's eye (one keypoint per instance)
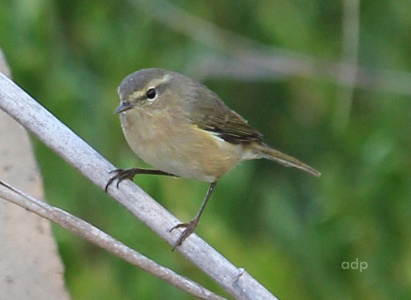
(151, 93)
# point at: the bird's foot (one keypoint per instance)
(120, 175)
(189, 229)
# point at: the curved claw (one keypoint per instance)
(120, 175)
(190, 227)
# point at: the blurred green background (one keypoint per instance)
(274, 62)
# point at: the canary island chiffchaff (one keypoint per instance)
(183, 129)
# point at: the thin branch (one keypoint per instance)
(351, 34)
(91, 164)
(264, 61)
(98, 237)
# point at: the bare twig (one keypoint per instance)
(98, 237)
(252, 57)
(351, 32)
(29, 257)
(78, 153)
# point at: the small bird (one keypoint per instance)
(184, 129)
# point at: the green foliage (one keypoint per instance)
(289, 230)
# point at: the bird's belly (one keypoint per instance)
(185, 152)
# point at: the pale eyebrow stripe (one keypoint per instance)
(152, 84)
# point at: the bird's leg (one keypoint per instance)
(191, 226)
(121, 174)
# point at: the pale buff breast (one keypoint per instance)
(184, 150)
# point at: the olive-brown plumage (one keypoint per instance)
(183, 129)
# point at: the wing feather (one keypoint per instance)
(214, 116)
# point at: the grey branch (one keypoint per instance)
(351, 42)
(98, 237)
(250, 60)
(29, 113)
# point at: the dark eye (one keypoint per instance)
(151, 94)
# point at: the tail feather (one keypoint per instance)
(284, 159)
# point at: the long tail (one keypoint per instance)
(284, 159)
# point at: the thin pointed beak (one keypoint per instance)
(124, 105)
